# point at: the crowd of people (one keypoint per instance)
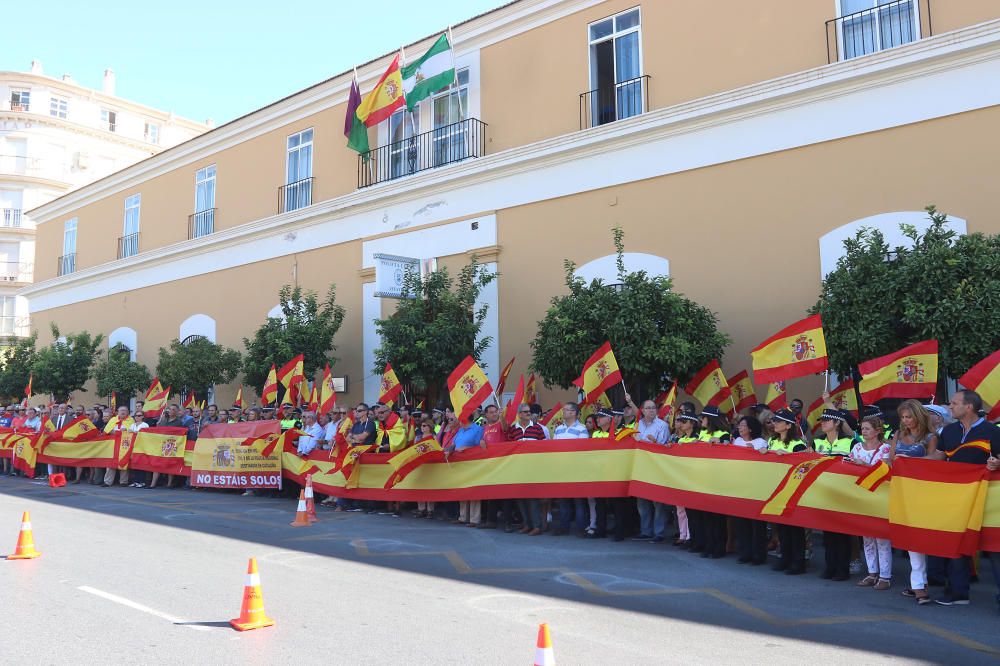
(921, 430)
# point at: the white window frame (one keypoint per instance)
(58, 107)
(303, 191)
(615, 34)
(457, 89)
(109, 119)
(21, 93)
(204, 218)
(8, 321)
(841, 47)
(130, 225)
(69, 246)
(151, 133)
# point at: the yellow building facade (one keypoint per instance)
(736, 149)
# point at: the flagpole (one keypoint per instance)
(368, 162)
(454, 83)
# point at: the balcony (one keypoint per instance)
(128, 246)
(295, 195)
(14, 271)
(201, 223)
(66, 264)
(438, 147)
(10, 217)
(876, 29)
(608, 104)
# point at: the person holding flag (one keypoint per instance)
(714, 430)
(837, 439)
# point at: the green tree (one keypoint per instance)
(944, 287)
(429, 334)
(657, 334)
(64, 367)
(16, 362)
(308, 329)
(119, 374)
(196, 365)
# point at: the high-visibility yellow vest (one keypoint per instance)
(840, 447)
(706, 436)
(775, 444)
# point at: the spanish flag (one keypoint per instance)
(155, 403)
(530, 394)
(314, 399)
(776, 398)
(984, 379)
(393, 428)
(25, 452)
(742, 391)
(793, 486)
(159, 450)
(874, 477)
(502, 382)
(794, 351)
(709, 386)
(327, 394)
(270, 391)
(390, 388)
(845, 397)
(189, 401)
(79, 429)
(600, 373)
(292, 373)
(553, 417)
(385, 98)
(238, 401)
(27, 389)
(814, 413)
(510, 412)
(665, 402)
(910, 372)
(917, 493)
(409, 459)
(468, 388)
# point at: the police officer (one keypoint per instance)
(836, 440)
(787, 439)
(714, 430)
(288, 418)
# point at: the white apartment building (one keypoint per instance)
(55, 136)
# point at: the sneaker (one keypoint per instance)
(642, 537)
(952, 600)
(856, 567)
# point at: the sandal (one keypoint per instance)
(868, 581)
(883, 584)
(923, 599)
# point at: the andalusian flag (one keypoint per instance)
(390, 388)
(709, 386)
(510, 413)
(292, 373)
(429, 73)
(600, 373)
(665, 402)
(530, 394)
(355, 130)
(795, 351)
(776, 398)
(742, 392)
(468, 388)
(270, 391)
(910, 372)
(327, 394)
(502, 383)
(385, 98)
(984, 379)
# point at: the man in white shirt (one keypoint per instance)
(571, 510)
(652, 515)
(313, 434)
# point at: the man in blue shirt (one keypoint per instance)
(971, 439)
(467, 436)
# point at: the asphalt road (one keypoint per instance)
(139, 576)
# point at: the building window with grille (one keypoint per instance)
(868, 26)
(616, 80)
(67, 262)
(128, 246)
(58, 107)
(203, 220)
(298, 170)
(20, 100)
(451, 107)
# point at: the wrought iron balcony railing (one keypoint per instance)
(444, 145)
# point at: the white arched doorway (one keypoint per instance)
(198, 324)
(606, 268)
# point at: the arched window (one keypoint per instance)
(198, 325)
(191, 338)
(606, 267)
(123, 339)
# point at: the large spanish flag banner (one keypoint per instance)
(709, 386)
(385, 98)
(741, 391)
(95, 452)
(919, 491)
(237, 455)
(984, 379)
(79, 429)
(390, 388)
(468, 388)
(794, 351)
(159, 449)
(910, 372)
(600, 373)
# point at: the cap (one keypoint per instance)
(605, 412)
(832, 415)
(872, 410)
(286, 404)
(685, 416)
(710, 411)
(785, 415)
(939, 410)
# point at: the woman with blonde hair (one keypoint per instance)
(914, 439)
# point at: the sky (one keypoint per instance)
(216, 60)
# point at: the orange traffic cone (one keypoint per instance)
(301, 515)
(25, 542)
(543, 647)
(310, 504)
(57, 480)
(252, 615)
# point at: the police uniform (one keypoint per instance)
(713, 524)
(793, 539)
(836, 546)
(685, 533)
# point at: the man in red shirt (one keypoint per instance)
(494, 431)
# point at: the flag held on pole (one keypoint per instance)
(709, 386)
(910, 372)
(600, 373)
(468, 388)
(385, 98)
(390, 388)
(794, 351)
(984, 379)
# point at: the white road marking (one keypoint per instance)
(139, 607)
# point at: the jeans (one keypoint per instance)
(573, 510)
(652, 518)
(531, 511)
(958, 576)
